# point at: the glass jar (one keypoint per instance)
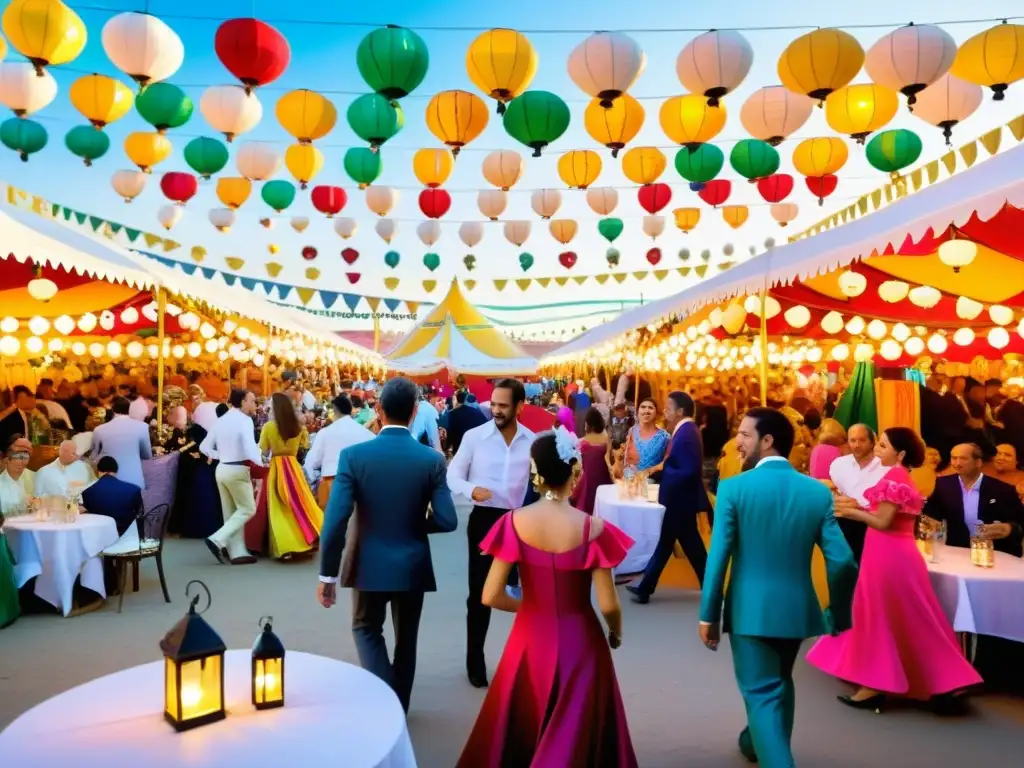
(983, 552)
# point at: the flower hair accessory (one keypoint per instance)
(567, 445)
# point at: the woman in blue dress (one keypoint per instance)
(646, 445)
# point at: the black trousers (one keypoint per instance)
(368, 612)
(478, 615)
(681, 528)
(855, 532)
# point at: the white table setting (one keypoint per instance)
(640, 518)
(334, 714)
(980, 601)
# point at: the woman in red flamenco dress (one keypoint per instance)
(554, 700)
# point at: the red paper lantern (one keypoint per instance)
(775, 188)
(353, 277)
(654, 197)
(328, 200)
(822, 186)
(435, 203)
(178, 187)
(252, 50)
(654, 256)
(716, 192)
(309, 253)
(567, 259)
(350, 255)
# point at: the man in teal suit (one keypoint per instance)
(767, 522)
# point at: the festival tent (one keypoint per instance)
(455, 337)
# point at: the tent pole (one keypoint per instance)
(161, 312)
(764, 348)
(266, 365)
(376, 333)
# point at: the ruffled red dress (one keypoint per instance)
(554, 700)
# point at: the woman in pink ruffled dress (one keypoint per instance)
(554, 700)
(901, 643)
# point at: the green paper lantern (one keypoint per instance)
(526, 261)
(892, 151)
(610, 229)
(391, 258)
(612, 255)
(431, 261)
(86, 142)
(536, 119)
(700, 162)
(375, 118)
(164, 106)
(363, 165)
(278, 194)
(26, 137)
(393, 61)
(206, 156)
(684, 254)
(470, 261)
(754, 159)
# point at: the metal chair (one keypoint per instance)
(152, 526)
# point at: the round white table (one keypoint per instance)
(980, 601)
(334, 714)
(56, 554)
(639, 518)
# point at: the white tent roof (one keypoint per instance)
(451, 350)
(983, 189)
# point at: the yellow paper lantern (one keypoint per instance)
(306, 114)
(233, 191)
(46, 32)
(456, 118)
(614, 126)
(501, 63)
(304, 162)
(686, 218)
(993, 58)
(734, 318)
(432, 166)
(100, 99)
(147, 149)
(860, 110)
(563, 230)
(579, 168)
(735, 215)
(820, 156)
(818, 63)
(643, 165)
(689, 119)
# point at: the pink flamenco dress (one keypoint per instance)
(901, 642)
(554, 700)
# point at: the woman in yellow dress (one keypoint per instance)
(293, 517)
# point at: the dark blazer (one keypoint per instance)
(682, 490)
(997, 502)
(388, 483)
(114, 498)
(460, 421)
(11, 425)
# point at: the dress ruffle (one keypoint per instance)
(606, 551)
(903, 495)
(502, 541)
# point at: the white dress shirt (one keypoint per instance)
(56, 479)
(485, 460)
(54, 411)
(308, 400)
(232, 439)
(330, 441)
(16, 493)
(851, 479)
(425, 422)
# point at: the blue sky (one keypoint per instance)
(323, 59)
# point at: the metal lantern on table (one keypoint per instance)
(193, 669)
(267, 668)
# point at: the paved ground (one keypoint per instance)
(681, 700)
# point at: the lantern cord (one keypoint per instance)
(195, 599)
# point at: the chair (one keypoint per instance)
(152, 527)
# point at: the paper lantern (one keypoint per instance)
(859, 110)
(86, 142)
(892, 151)
(998, 338)
(380, 200)
(890, 350)
(797, 316)
(22, 90)
(143, 47)
(536, 119)
(100, 99)
(233, 191)
(775, 188)
(820, 156)
(492, 203)
(689, 119)
(686, 218)
(258, 160)
(855, 325)
(964, 337)
(610, 229)
(471, 233)
(605, 65)
(206, 156)
(734, 318)
(754, 159)
(993, 58)
(654, 197)
(911, 58)
(579, 168)
(937, 344)
(924, 296)
(46, 32)
(386, 229)
(164, 106)
(957, 253)
(1000, 315)
(821, 186)
(900, 332)
(456, 118)
(9, 346)
(169, 215)
(563, 230)
(877, 329)
(893, 291)
(252, 50)
(429, 232)
(714, 63)
(363, 165)
(87, 323)
(614, 126)
(819, 62)
(179, 187)
(147, 149)
(435, 203)
(503, 168)
(700, 163)
(643, 165)
(501, 63)
(653, 226)
(716, 192)
(432, 166)
(327, 199)
(840, 352)
(304, 162)
(222, 218)
(863, 353)
(948, 101)
(128, 184)
(375, 119)
(773, 113)
(735, 215)
(784, 213)
(602, 200)
(546, 202)
(914, 346)
(230, 110)
(345, 227)
(278, 194)
(10, 325)
(517, 232)
(393, 61)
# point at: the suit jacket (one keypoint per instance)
(11, 425)
(768, 522)
(127, 441)
(114, 498)
(460, 421)
(997, 502)
(681, 489)
(388, 483)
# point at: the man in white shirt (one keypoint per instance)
(852, 475)
(329, 443)
(492, 468)
(66, 474)
(308, 399)
(233, 442)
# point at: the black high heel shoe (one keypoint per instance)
(876, 702)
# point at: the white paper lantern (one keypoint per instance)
(55, 345)
(471, 233)
(957, 253)
(774, 112)
(492, 203)
(1000, 315)
(893, 291)
(178, 350)
(34, 345)
(502, 168)
(130, 316)
(42, 289)
(128, 184)
(714, 63)
(78, 348)
(9, 346)
(914, 346)
(964, 337)
(814, 355)
(96, 349)
(840, 352)
(797, 316)
(142, 46)
(64, 324)
(852, 284)
(891, 350)
(386, 229)
(924, 296)
(222, 218)
(602, 200)
(194, 349)
(910, 58)
(38, 325)
(107, 320)
(230, 110)
(900, 332)
(517, 232)
(114, 349)
(653, 226)
(9, 325)
(546, 202)
(877, 329)
(258, 160)
(998, 337)
(606, 64)
(299, 223)
(345, 227)
(863, 353)
(87, 323)
(968, 309)
(855, 325)
(832, 323)
(169, 215)
(134, 349)
(948, 101)
(23, 90)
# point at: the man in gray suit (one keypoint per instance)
(126, 441)
(398, 490)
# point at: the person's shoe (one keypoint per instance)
(876, 702)
(218, 551)
(746, 745)
(516, 593)
(637, 596)
(476, 671)
(244, 560)
(950, 705)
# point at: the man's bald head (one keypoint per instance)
(965, 459)
(861, 439)
(67, 453)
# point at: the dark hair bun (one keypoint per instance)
(550, 466)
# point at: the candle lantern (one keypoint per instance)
(267, 668)
(193, 669)
(983, 552)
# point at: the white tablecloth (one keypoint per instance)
(638, 518)
(982, 601)
(334, 714)
(58, 553)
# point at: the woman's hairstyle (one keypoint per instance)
(832, 433)
(650, 400)
(594, 421)
(552, 470)
(284, 416)
(906, 441)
